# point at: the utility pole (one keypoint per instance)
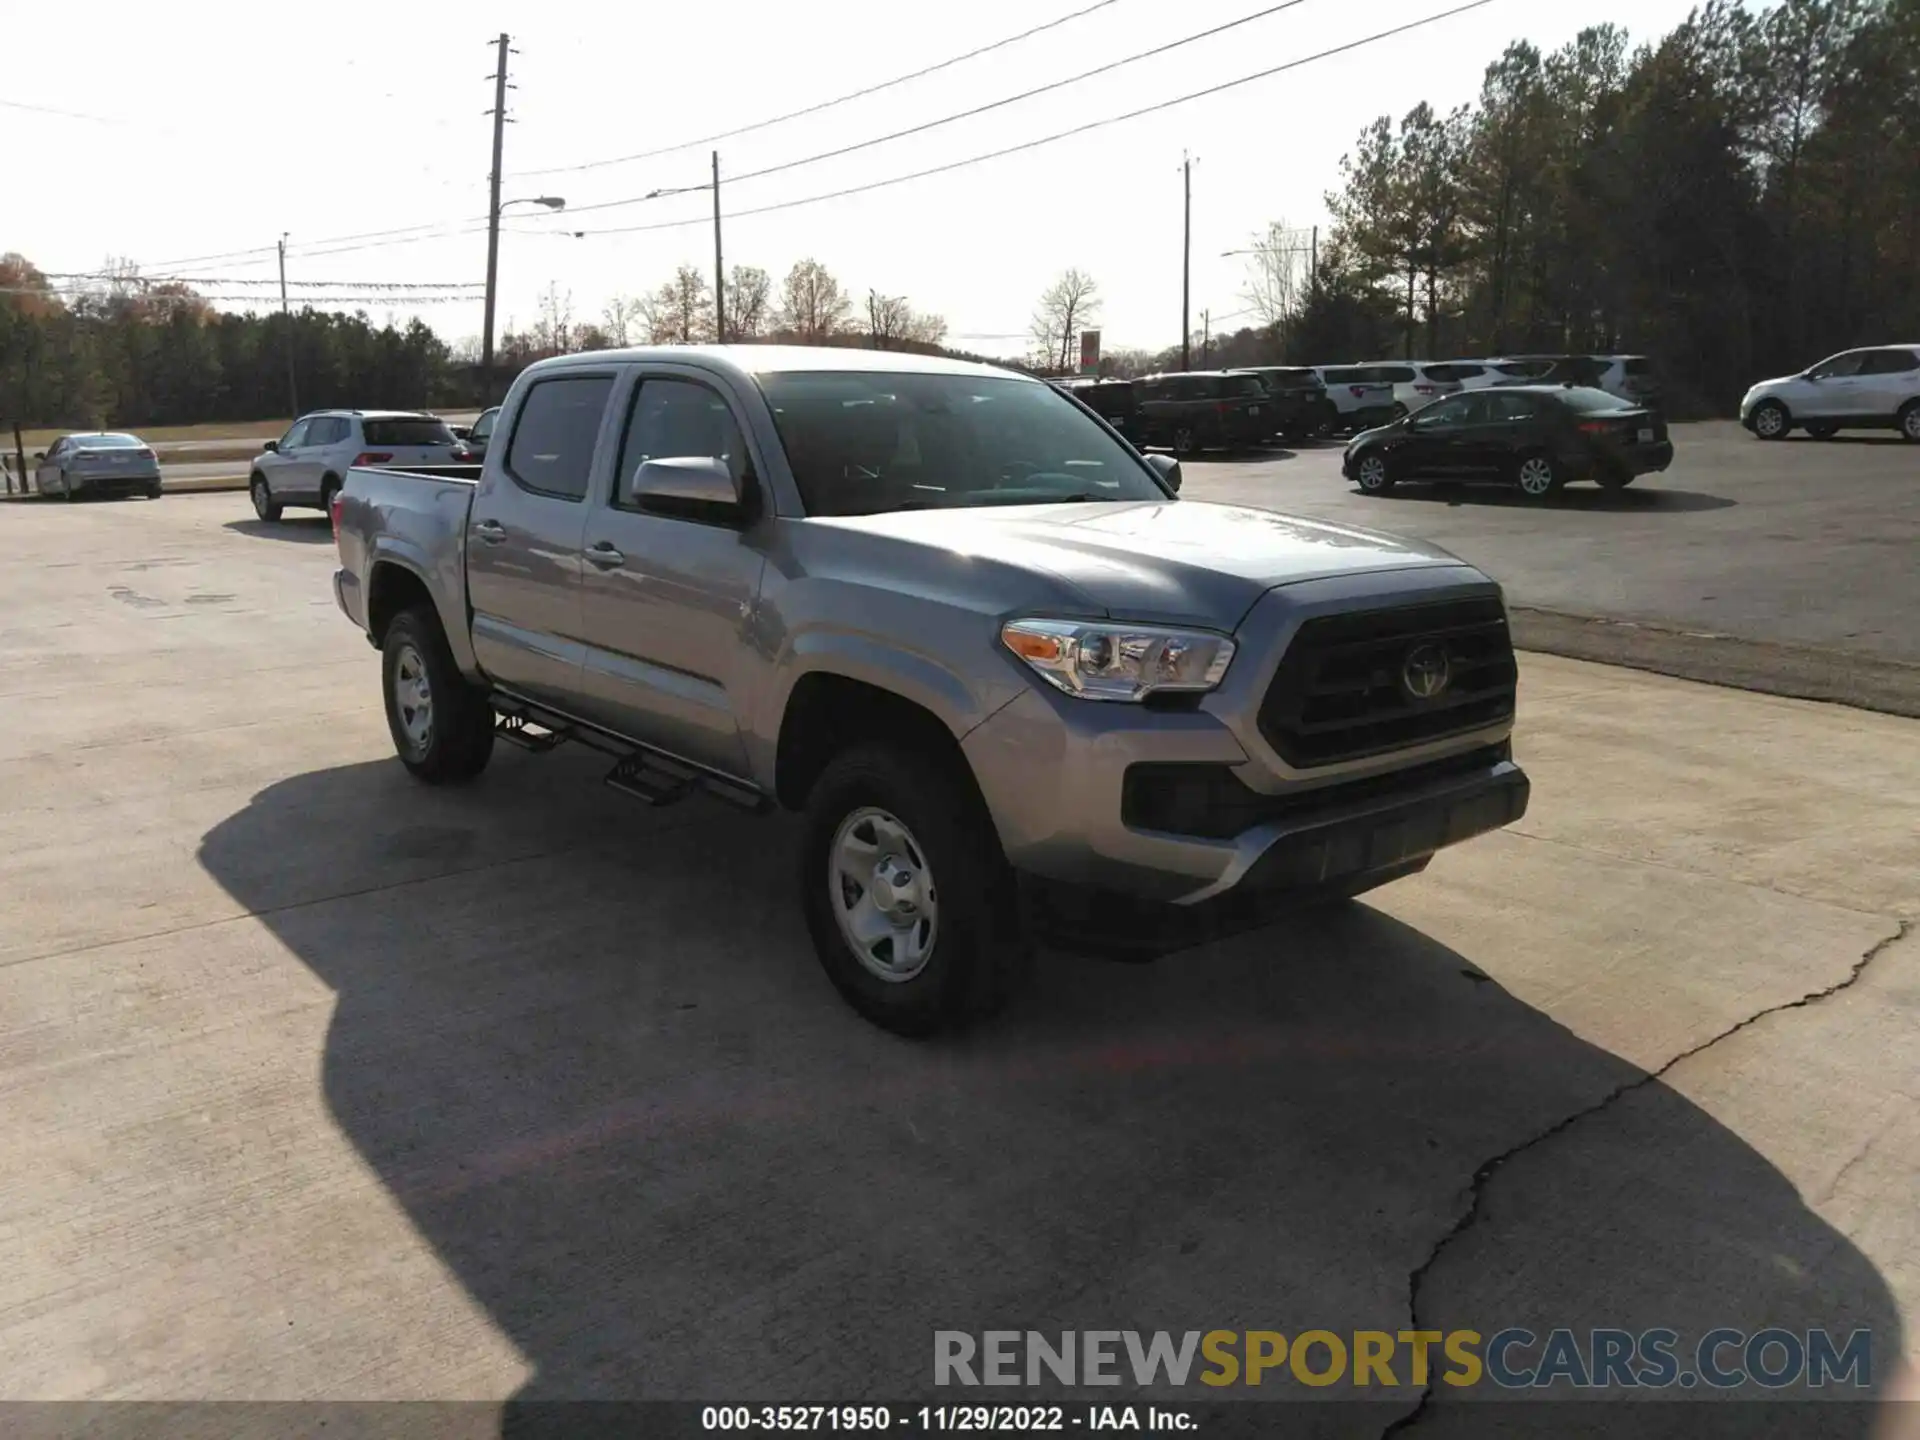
(1206, 337)
(1314, 256)
(1186, 259)
(719, 275)
(293, 393)
(499, 113)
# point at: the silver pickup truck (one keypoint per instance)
(1019, 689)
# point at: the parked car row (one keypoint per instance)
(1191, 411)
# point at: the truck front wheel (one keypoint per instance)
(908, 897)
(442, 727)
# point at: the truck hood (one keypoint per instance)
(1183, 561)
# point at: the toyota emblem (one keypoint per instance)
(1426, 673)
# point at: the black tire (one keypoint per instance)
(264, 505)
(329, 487)
(1399, 412)
(1537, 463)
(66, 489)
(1613, 479)
(1823, 431)
(153, 492)
(979, 951)
(1770, 421)
(456, 739)
(1910, 421)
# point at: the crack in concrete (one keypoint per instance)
(1483, 1175)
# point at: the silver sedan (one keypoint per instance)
(98, 464)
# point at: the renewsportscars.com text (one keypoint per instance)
(1513, 1359)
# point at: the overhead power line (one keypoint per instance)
(1058, 135)
(818, 107)
(968, 114)
(109, 278)
(378, 240)
(309, 300)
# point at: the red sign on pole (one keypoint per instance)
(1089, 352)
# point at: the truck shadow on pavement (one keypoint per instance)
(586, 1047)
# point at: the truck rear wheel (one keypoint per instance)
(908, 898)
(442, 727)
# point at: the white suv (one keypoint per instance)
(1871, 389)
(309, 463)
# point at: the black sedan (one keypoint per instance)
(1538, 437)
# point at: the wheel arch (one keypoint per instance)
(827, 712)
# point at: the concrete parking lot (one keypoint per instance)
(319, 1084)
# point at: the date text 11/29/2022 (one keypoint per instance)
(974, 1419)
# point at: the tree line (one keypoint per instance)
(130, 353)
(1736, 199)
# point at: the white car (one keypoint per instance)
(1361, 399)
(308, 464)
(1877, 388)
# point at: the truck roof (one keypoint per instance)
(748, 360)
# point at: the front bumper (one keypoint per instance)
(1313, 855)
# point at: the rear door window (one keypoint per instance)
(551, 452)
(1347, 376)
(1508, 406)
(1244, 386)
(1393, 374)
(1890, 362)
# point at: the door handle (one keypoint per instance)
(604, 557)
(491, 532)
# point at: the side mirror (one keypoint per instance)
(39, 454)
(271, 447)
(460, 432)
(1168, 470)
(699, 486)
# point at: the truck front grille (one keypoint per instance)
(1356, 685)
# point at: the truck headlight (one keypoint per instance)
(1105, 661)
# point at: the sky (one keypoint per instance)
(210, 129)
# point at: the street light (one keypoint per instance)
(549, 202)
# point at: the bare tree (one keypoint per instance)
(1277, 275)
(552, 333)
(887, 319)
(812, 305)
(893, 322)
(749, 302)
(680, 312)
(620, 320)
(1066, 307)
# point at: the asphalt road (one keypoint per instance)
(320, 1083)
(1800, 542)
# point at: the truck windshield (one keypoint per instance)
(862, 443)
